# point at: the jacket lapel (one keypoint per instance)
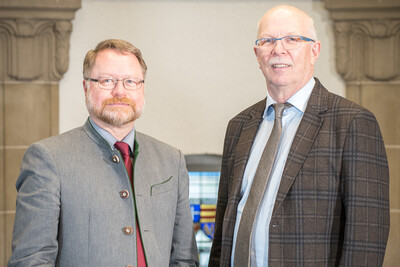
(245, 142)
(305, 136)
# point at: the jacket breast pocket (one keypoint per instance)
(162, 187)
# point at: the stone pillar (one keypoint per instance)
(367, 39)
(34, 47)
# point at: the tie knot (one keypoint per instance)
(279, 107)
(122, 147)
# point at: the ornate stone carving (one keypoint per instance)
(37, 49)
(62, 31)
(34, 38)
(368, 49)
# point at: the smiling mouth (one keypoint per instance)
(280, 65)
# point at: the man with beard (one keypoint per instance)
(304, 177)
(104, 194)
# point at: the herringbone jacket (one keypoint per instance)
(332, 207)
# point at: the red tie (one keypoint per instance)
(124, 149)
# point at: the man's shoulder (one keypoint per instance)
(254, 111)
(148, 142)
(330, 103)
(62, 146)
(63, 138)
(344, 106)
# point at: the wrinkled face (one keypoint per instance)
(286, 69)
(119, 106)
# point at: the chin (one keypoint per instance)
(279, 82)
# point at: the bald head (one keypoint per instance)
(287, 68)
(290, 15)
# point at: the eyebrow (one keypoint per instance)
(283, 35)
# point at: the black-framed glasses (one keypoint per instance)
(111, 83)
(289, 42)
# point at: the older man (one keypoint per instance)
(304, 179)
(104, 194)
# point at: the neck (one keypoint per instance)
(119, 132)
(281, 94)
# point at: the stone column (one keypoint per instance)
(367, 39)
(34, 47)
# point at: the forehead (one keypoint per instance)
(283, 22)
(113, 62)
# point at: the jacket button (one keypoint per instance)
(124, 194)
(115, 159)
(127, 230)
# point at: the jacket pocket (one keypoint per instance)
(162, 187)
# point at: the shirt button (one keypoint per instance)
(127, 230)
(115, 159)
(124, 194)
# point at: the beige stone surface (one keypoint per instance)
(382, 99)
(2, 179)
(2, 239)
(394, 168)
(43, 9)
(9, 224)
(12, 162)
(28, 112)
(392, 256)
(2, 199)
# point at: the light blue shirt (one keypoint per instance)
(129, 138)
(291, 118)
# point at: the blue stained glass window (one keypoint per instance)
(204, 172)
(203, 194)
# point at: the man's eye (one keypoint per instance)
(293, 39)
(106, 81)
(130, 82)
(266, 41)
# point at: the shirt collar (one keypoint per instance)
(129, 138)
(298, 100)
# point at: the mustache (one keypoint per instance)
(115, 100)
(277, 60)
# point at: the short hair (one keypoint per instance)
(116, 44)
(312, 29)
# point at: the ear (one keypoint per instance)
(85, 86)
(315, 51)
(257, 52)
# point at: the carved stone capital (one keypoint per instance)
(34, 39)
(367, 39)
(368, 49)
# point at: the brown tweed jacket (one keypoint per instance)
(332, 207)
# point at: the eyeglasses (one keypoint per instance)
(111, 83)
(289, 42)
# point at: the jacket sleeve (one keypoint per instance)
(184, 249)
(215, 254)
(365, 189)
(231, 138)
(34, 241)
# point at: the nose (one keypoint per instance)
(119, 89)
(279, 48)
